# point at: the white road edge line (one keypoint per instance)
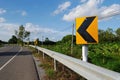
(11, 59)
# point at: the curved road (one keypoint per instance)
(16, 63)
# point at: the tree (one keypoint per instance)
(47, 39)
(101, 34)
(48, 42)
(12, 40)
(118, 33)
(109, 35)
(22, 34)
(105, 36)
(68, 38)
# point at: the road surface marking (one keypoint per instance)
(11, 59)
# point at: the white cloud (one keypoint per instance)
(37, 32)
(7, 30)
(62, 7)
(87, 8)
(23, 13)
(109, 11)
(7, 27)
(91, 8)
(2, 20)
(2, 11)
(38, 29)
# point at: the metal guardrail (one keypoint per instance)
(87, 70)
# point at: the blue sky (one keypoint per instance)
(54, 18)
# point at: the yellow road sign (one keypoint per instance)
(36, 42)
(87, 30)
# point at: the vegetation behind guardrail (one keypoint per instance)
(104, 54)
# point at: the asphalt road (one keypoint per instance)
(16, 63)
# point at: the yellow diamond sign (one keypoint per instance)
(87, 30)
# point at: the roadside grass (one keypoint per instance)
(62, 73)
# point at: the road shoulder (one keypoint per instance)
(40, 70)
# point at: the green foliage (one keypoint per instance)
(103, 54)
(47, 39)
(50, 73)
(2, 42)
(69, 38)
(22, 34)
(107, 35)
(13, 40)
(118, 33)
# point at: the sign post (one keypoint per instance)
(86, 33)
(84, 52)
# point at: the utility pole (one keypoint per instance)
(42, 47)
(72, 39)
(42, 40)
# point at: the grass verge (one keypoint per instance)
(62, 73)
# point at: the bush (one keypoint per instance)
(102, 54)
(50, 73)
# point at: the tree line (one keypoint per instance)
(21, 35)
(109, 35)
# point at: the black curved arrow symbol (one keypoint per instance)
(83, 30)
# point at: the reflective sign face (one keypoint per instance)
(36, 42)
(87, 30)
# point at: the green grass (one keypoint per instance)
(51, 73)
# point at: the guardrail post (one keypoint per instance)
(43, 55)
(38, 51)
(84, 52)
(55, 68)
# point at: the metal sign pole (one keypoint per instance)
(84, 52)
